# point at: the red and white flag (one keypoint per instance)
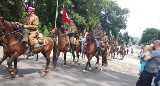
(65, 17)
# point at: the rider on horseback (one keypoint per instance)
(70, 30)
(31, 30)
(105, 39)
(97, 33)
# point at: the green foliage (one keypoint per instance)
(46, 33)
(12, 10)
(120, 38)
(134, 40)
(114, 18)
(85, 13)
(126, 37)
(149, 35)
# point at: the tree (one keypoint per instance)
(12, 10)
(149, 35)
(85, 13)
(114, 18)
(126, 37)
(120, 38)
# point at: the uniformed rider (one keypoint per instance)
(98, 34)
(31, 30)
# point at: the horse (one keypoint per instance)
(112, 50)
(17, 48)
(92, 51)
(122, 52)
(105, 53)
(76, 47)
(4, 44)
(64, 47)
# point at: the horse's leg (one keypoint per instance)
(47, 56)
(3, 58)
(89, 65)
(10, 69)
(73, 57)
(65, 58)
(55, 57)
(85, 67)
(15, 66)
(97, 63)
(37, 57)
(89, 59)
(78, 57)
(86, 64)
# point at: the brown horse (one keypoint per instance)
(17, 48)
(64, 47)
(122, 52)
(92, 51)
(113, 48)
(4, 44)
(76, 47)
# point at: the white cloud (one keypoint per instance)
(143, 14)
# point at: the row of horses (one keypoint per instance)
(13, 47)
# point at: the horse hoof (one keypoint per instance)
(16, 71)
(84, 71)
(102, 68)
(12, 74)
(64, 65)
(97, 65)
(90, 68)
(79, 63)
(54, 66)
(72, 63)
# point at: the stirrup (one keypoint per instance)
(30, 54)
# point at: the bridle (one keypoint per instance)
(2, 26)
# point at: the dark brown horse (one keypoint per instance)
(17, 48)
(76, 47)
(122, 52)
(92, 51)
(4, 44)
(112, 48)
(5, 49)
(63, 46)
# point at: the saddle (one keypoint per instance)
(41, 41)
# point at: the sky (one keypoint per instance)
(143, 14)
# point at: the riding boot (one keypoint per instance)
(28, 50)
(25, 37)
(70, 48)
(31, 50)
(99, 50)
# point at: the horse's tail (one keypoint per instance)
(54, 54)
(81, 45)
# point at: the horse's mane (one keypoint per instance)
(18, 31)
(62, 29)
(91, 35)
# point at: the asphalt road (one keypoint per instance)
(117, 73)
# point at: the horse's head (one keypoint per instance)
(88, 36)
(1, 24)
(54, 31)
(6, 27)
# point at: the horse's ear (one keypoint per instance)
(3, 19)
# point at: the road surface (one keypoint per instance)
(117, 73)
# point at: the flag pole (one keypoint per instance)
(56, 14)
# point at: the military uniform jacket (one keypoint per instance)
(32, 23)
(97, 33)
(105, 39)
(72, 28)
